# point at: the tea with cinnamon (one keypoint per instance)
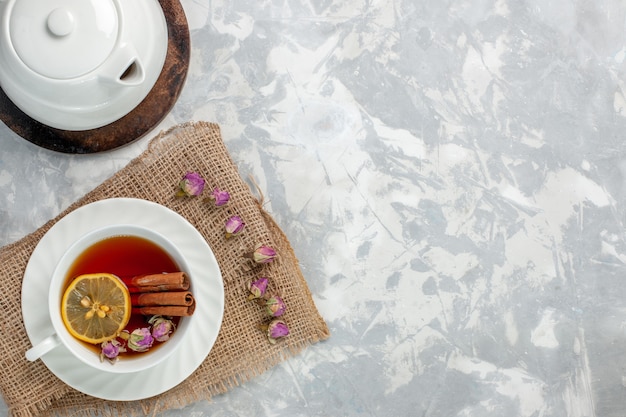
(126, 257)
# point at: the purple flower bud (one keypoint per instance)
(140, 340)
(257, 288)
(277, 329)
(234, 226)
(275, 306)
(262, 254)
(220, 197)
(161, 328)
(110, 350)
(192, 184)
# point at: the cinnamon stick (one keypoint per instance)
(178, 311)
(167, 298)
(173, 281)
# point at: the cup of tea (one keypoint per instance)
(131, 254)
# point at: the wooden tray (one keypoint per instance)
(135, 124)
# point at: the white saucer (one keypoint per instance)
(206, 280)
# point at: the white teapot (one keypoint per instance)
(80, 64)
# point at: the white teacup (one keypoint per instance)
(61, 336)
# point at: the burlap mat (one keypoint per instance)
(241, 350)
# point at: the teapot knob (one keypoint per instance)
(60, 22)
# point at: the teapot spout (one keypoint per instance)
(123, 67)
(133, 74)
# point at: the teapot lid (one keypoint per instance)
(63, 39)
(80, 64)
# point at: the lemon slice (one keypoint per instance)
(96, 307)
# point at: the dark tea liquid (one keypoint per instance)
(124, 256)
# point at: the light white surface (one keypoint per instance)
(452, 177)
(201, 329)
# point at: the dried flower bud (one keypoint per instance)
(257, 288)
(220, 197)
(275, 330)
(111, 350)
(262, 254)
(275, 306)
(234, 226)
(140, 340)
(191, 185)
(161, 328)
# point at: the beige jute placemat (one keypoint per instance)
(241, 351)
